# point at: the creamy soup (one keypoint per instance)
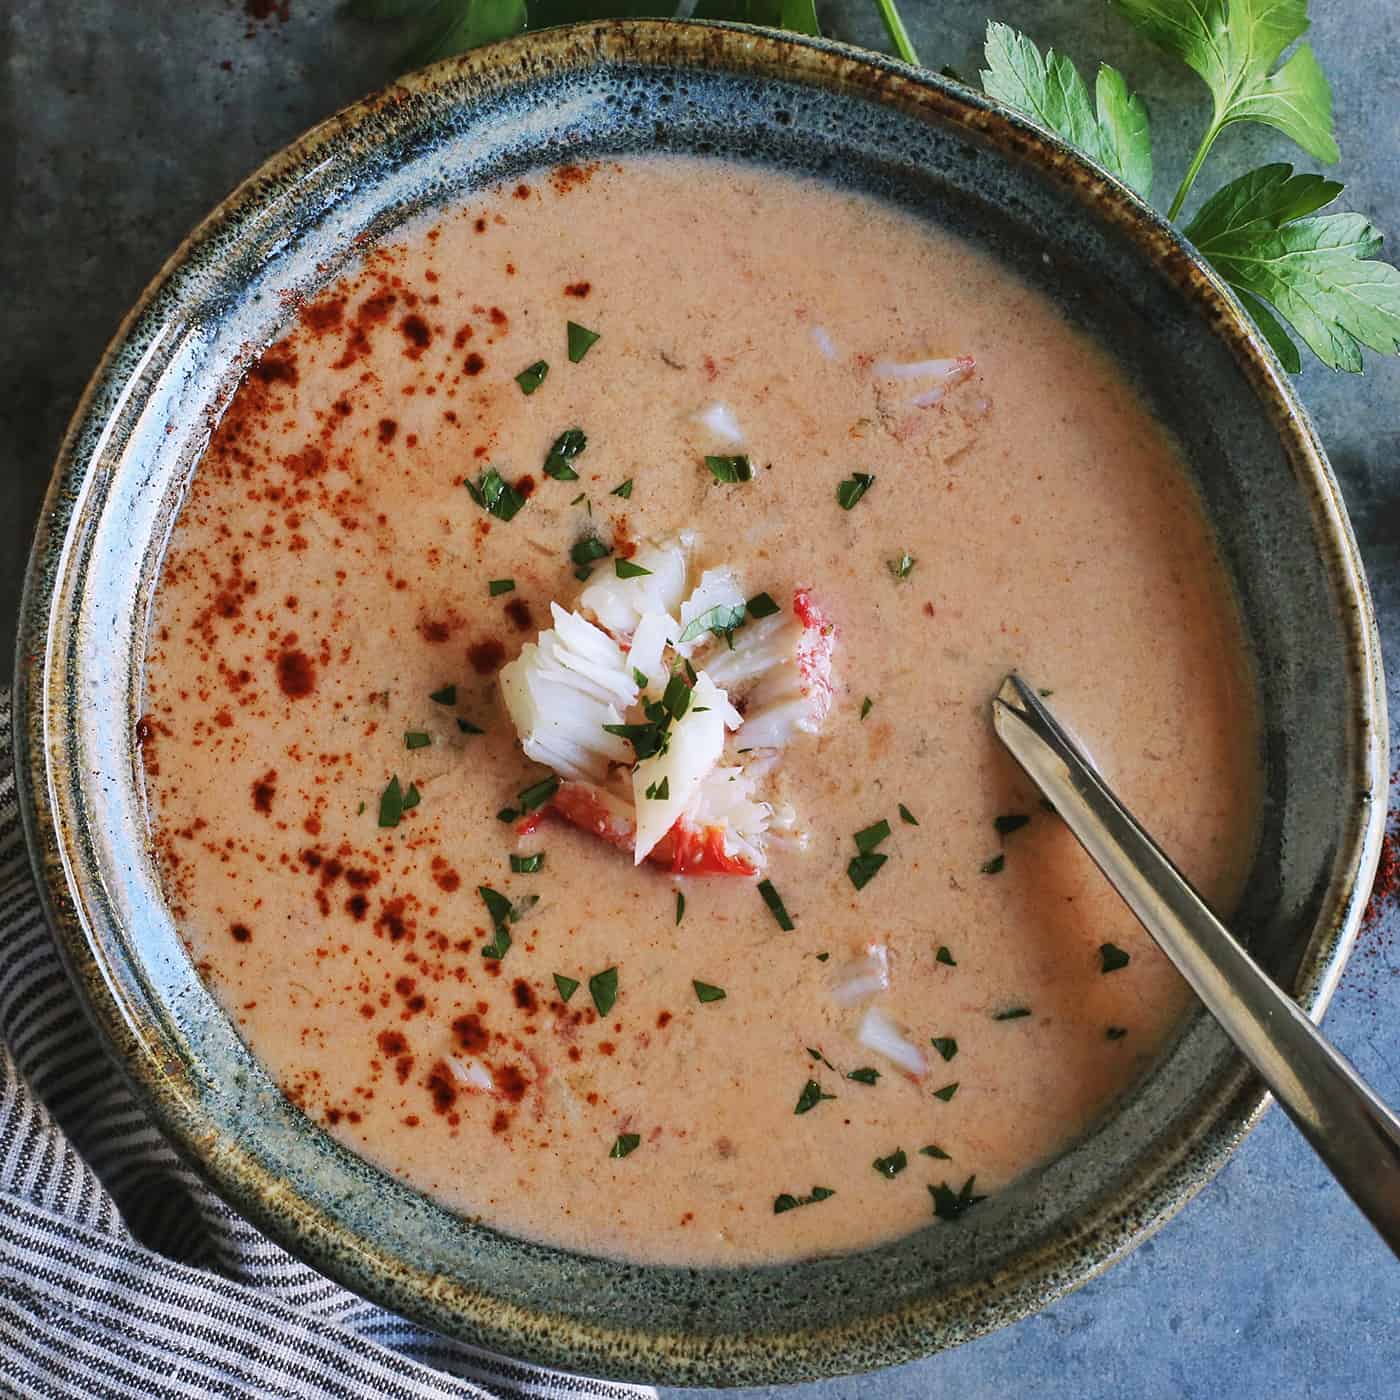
(790, 1031)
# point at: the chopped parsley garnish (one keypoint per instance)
(446, 696)
(863, 869)
(947, 1091)
(994, 866)
(642, 681)
(892, 1165)
(507, 814)
(582, 497)
(527, 865)
(1111, 958)
(867, 1074)
(906, 815)
(903, 566)
(624, 490)
(944, 956)
(1045, 694)
(588, 549)
(416, 739)
(706, 991)
(817, 1055)
(498, 907)
(787, 1201)
(495, 495)
(774, 901)
(581, 341)
(647, 739)
(721, 620)
(497, 586)
(1013, 1013)
(532, 376)
(567, 985)
(537, 794)
(680, 907)
(853, 488)
(1012, 821)
(626, 1144)
(391, 803)
(945, 1045)
(566, 447)
(937, 1153)
(810, 1097)
(360, 810)
(730, 469)
(762, 605)
(1115, 1033)
(659, 792)
(467, 727)
(627, 569)
(866, 706)
(949, 1204)
(822, 957)
(676, 697)
(583, 574)
(871, 836)
(602, 987)
(412, 797)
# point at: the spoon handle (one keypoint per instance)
(1353, 1132)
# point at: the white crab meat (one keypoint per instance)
(878, 1033)
(939, 375)
(561, 691)
(717, 588)
(783, 665)
(864, 977)
(655, 632)
(664, 785)
(620, 604)
(726, 809)
(720, 419)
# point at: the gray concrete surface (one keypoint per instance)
(123, 121)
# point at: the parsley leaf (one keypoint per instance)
(905, 815)
(680, 907)
(1262, 234)
(935, 1152)
(790, 1202)
(774, 901)
(871, 836)
(567, 985)
(853, 488)
(719, 619)
(581, 341)
(1233, 45)
(532, 376)
(626, 1144)
(730, 470)
(1112, 958)
(1050, 90)
(944, 956)
(625, 568)
(945, 1045)
(892, 1165)
(863, 869)
(625, 490)
(391, 803)
(495, 495)
(949, 1204)
(446, 696)
(527, 865)
(810, 1097)
(867, 1074)
(947, 1091)
(602, 987)
(707, 992)
(566, 447)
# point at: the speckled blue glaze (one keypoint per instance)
(948, 156)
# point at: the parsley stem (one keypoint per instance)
(899, 35)
(1194, 169)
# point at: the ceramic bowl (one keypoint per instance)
(949, 155)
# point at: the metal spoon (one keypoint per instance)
(1353, 1132)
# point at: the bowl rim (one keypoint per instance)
(1159, 1185)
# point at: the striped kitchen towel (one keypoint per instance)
(121, 1274)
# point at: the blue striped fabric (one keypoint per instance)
(121, 1274)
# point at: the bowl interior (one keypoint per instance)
(948, 156)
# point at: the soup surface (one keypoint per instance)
(333, 614)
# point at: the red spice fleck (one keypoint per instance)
(928, 609)
(663, 1020)
(442, 1087)
(501, 1121)
(474, 364)
(391, 920)
(480, 226)
(464, 334)
(415, 331)
(510, 1083)
(296, 674)
(498, 317)
(471, 1035)
(606, 1047)
(358, 906)
(487, 657)
(322, 316)
(387, 428)
(439, 629)
(522, 192)
(241, 933)
(578, 289)
(264, 790)
(1387, 886)
(404, 986)
(524, 995)
(518, 610)
(276, 369)
(377, 307)
(361, 879)
(393, 1043)
(333, 1116)
(145, 732)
